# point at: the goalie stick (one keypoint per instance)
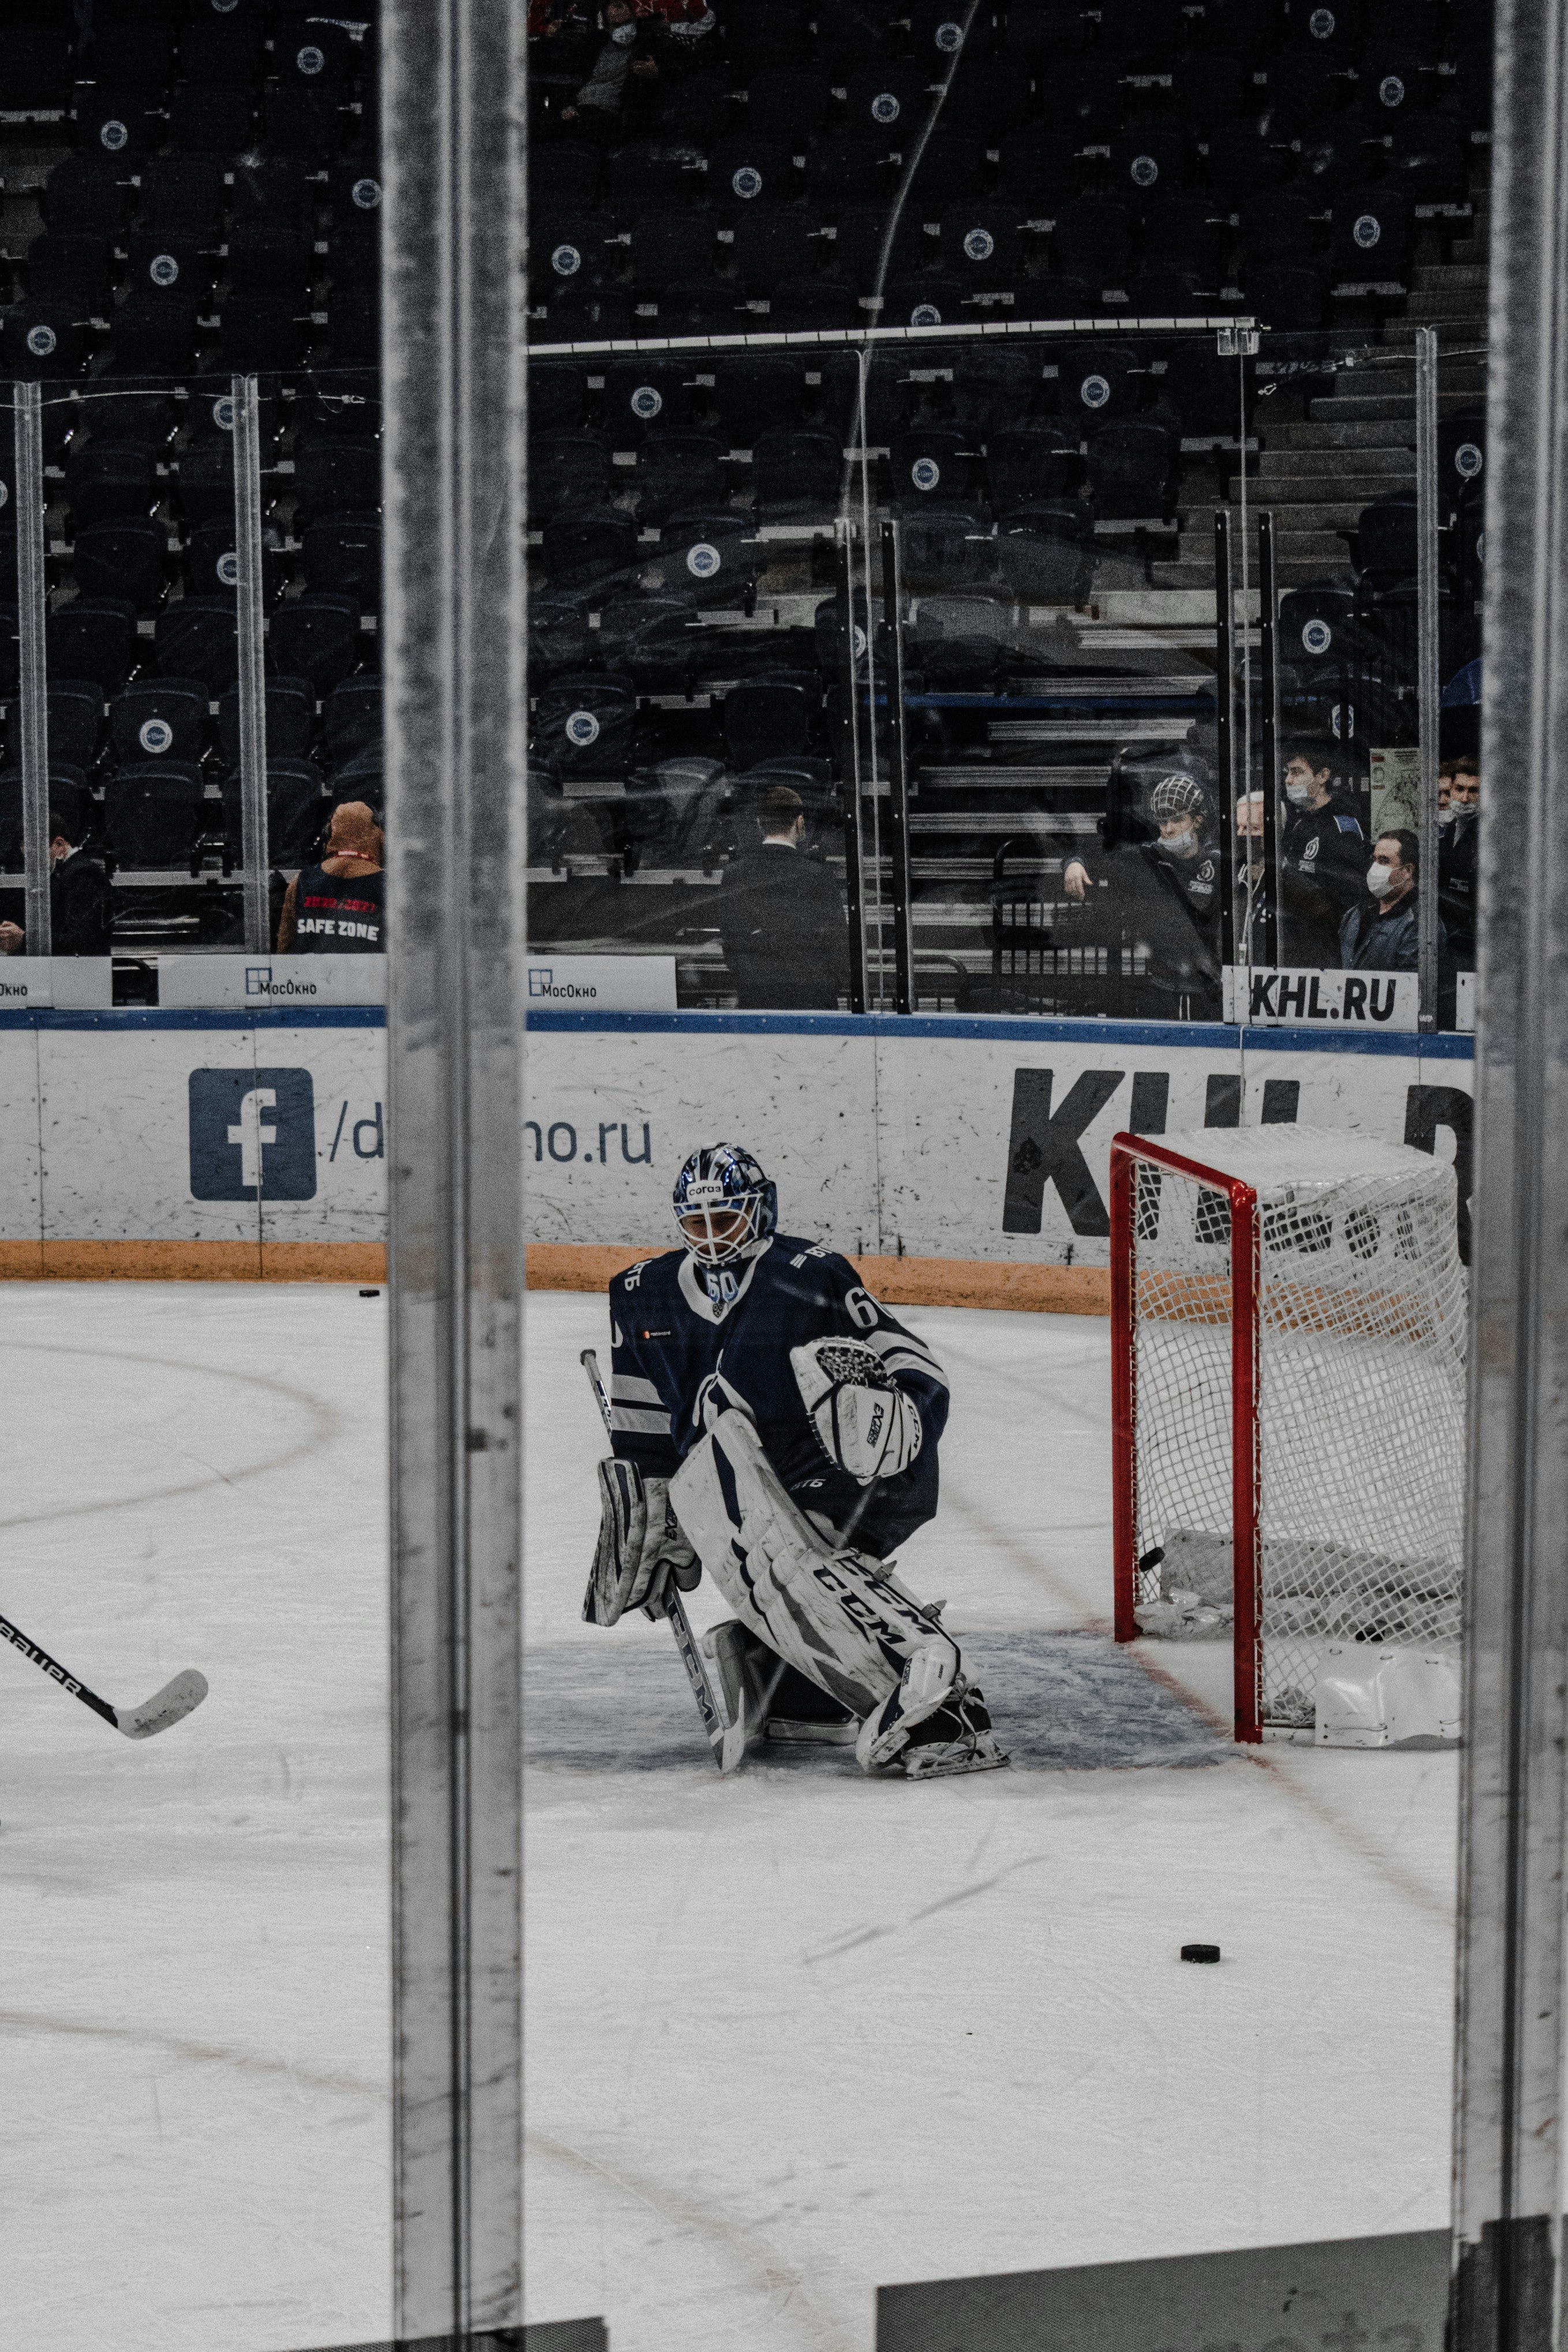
(165, 1706)
(727, 1740)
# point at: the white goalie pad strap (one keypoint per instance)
(862, 1422)
(825, 1611)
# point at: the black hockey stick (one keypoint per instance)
(155, 1714)
(727, 1740)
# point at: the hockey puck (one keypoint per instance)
(1209, 1952)
(370, 1294)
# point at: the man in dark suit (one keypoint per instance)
(781, 918)
(80, 904)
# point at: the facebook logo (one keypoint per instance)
(253, 1135)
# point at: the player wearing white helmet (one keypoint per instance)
(775, 1425)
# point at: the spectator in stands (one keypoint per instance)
(1458, 801)
(1252, 884)
(1323, 860)
(1380, 933)
(80, 901)
(338, 907)
(781, 918)
(1165, 891)
(597, 109)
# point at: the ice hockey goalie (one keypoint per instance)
(776, 1426)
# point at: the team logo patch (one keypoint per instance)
(746, 182)
(367, 194)
(41, 341)
(155, 735)
(113, 135)
(1342, 719)
(925, 473)
(1317, 638)
(884, 107)
(979, 245)
(1320, 23)
(646, 402)
(1094, 392)
(224, 412)
(703, 561)
(1368, 229)
(228, 569)
(163, 269)
(1469, 459)
(566, 261)
(310, 59)
(1391, 90)
(949, 37)
(926, 314)
(858, 640)
(582, 729)
(1146, 171)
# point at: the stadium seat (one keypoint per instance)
(197, 636)
(170, 264)
(559, 637)
(267, 259)
(1132, 468)
(73, 267)
(1093, 240)
(1044, 550)
(711, 557)
(183, 196)
(297, 811)
(587, 545)
(639, 395)
(766, 717)
(221, 49)
(153, 334)
(753, 392)
(947, 546)
(111, 481)
(262, 332)
(788, 104)
(1290, 297)
(290, 717)
(89, 191)
(39, 339)
(747, 170)
(74, 719)
(656, 641)
(210, 122)
(157, 719)
(207, 482)
(343, 553)
(796, 472)
(569, 470)
(980, 243)
(558, 391)
(584, 724)
(1386, 542)
(335, 475)
(847, 167)
(1151, 161)
(353, 326)
(667, 245)
(855, 249)
(1430, 160)
(315, 636)
(703, 306)
(1095, 385)
(89, 637)
(928, 298)
(214, 563)
(934, 461)
(118, 408)
(653, 176)
(351, 720)
(1036, 458)
(1279, 224)
(155, 812)
(777, 242)
(677, 469)
(952, 165)
(1371, 236)
(123, 560)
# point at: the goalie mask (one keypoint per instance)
(725, 1206)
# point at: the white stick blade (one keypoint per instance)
(170, 1705)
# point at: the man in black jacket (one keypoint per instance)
(781, 918)
(80, 903)
(1381, 932)
(1323, 860)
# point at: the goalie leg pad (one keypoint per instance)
(823, 1609)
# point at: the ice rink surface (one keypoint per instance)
(789, 2036)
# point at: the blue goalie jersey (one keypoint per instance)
(688, 1341)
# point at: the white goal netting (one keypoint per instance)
(1359, 1408)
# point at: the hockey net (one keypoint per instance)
(1289, 1390)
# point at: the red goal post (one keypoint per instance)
(1127, 1153)
(1289, 1323)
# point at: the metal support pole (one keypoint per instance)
(454, 354)
(1508, 2084)
(849, 766)
(254, 847)
(898, 778)
(33, 700)
(1268, 736)
(1427, 688)
(1224, 737)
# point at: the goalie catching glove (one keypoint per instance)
(862, 1422)
(640, 1544)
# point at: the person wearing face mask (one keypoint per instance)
(1380, 932)
(1459, 801)
(596, 110)
(1164, 880)
(80, 901)
(1323, 860)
